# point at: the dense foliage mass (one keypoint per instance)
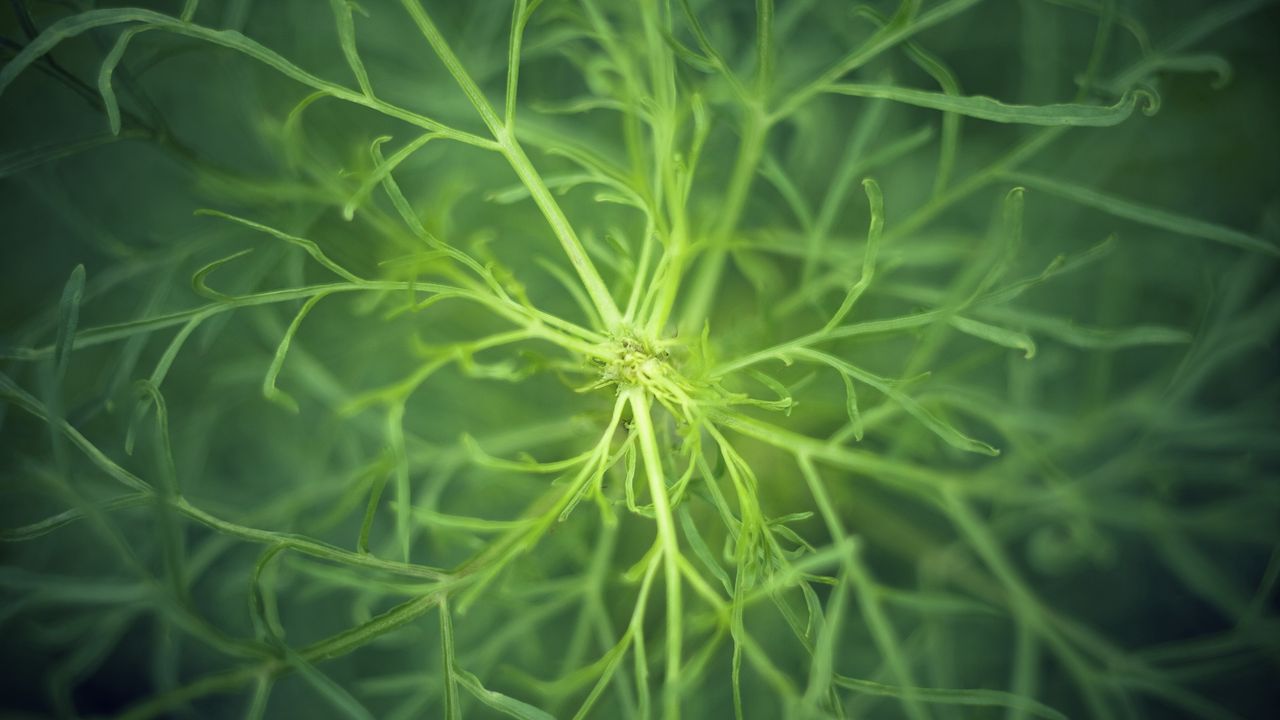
(639, 358)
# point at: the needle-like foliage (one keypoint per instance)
(639, 359)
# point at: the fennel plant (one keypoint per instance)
(666, 358)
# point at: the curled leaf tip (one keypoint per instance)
(282, 399)
(1149, 99)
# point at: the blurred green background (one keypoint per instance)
(1143, 497)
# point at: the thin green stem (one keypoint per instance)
(669, 543)
(524, 169)
(702, 293)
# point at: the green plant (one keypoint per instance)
(634, 359)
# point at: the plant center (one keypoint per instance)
(632, 359)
